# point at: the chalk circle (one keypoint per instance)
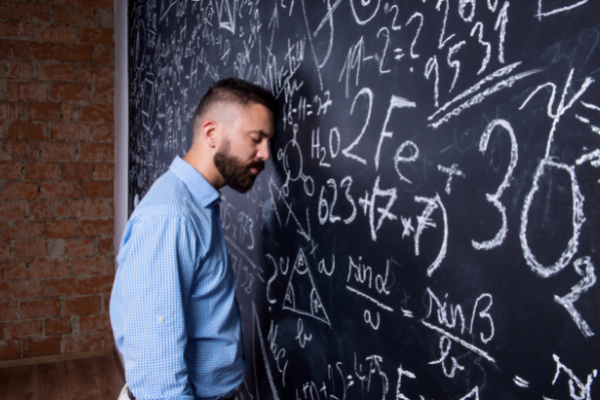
(364, 4)
(578, 219)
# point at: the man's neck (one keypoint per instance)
(203, 163)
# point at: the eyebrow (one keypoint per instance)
(262, 133)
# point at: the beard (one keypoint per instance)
(237, 174)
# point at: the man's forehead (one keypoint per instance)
(259, 110)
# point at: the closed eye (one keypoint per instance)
(258, 136)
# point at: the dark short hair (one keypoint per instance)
(237, 91)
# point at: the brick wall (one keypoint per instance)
(56, 176)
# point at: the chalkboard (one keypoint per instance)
(427, 226)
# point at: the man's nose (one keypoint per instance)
(263, 151)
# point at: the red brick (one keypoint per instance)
(4, 47)
(21, 230)
(62, 208)
(95, 36)
(106, 4)
(14, 270)
(72, 15)
(48, 268)
(19, 69)
(21, 289)
(31, 50)
(30, 11)
(97, 189)
(59, 190)
(40, 308)
(23, 329)
(70, 92)
(77, 171)
(11, 170)
(57, 326)
(70, 52)
(79, 343)
(56, 33)
(109, 340)
(20, 29)
(87, 266)
(10, 350)
(90, 208)
(11, 210)
(58, 287)
(41, 209)
(26, 130)
(103, 133)
(62, 151)
(26, 91)
(70, 112)
(97, 74)
(104, 94)
(61, 229)
(19, 190)
(98, 113)
(57, 72)
(29, 249)
(11, 110)
(96, 284)
(94, 323)
(80, 247)
(23, 149)
(104, 172)
(8, 311)
(105, 247)
(26, 289)
(41, 170)
(4, 250)
(81, 305)
(97, 151)
(42, 347)
(103, 55)
(6, 292)
(110, 266)
(106, 302)
(44, 111)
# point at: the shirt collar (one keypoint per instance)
(198, 186)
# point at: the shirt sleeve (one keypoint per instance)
(161, 257)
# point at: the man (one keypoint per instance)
(173, 308)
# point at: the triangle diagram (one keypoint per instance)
(301, 295)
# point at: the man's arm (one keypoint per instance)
(161, 255)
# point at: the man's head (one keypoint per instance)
(233, 125)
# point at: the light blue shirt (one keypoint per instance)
(173, 308)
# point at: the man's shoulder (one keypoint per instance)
(164, 198)
(168, 197)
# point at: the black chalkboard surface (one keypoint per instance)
(427, 227)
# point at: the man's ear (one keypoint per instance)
(210, 132)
